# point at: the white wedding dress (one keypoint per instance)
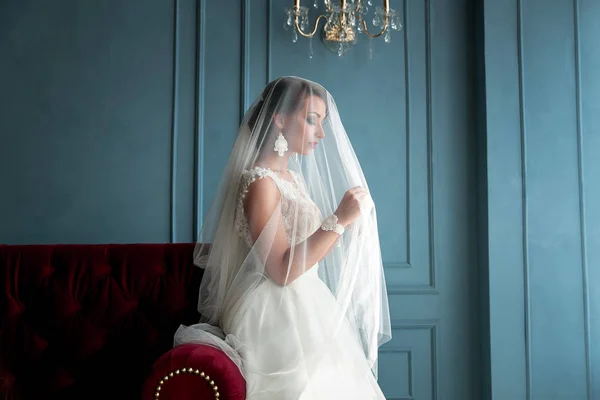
(282, 335)
(318, 336)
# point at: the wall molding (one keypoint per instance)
(408, 109)
(174, 123)
(430, 191)
(412, 290)
(269, 39)
(245, 65)
(524, 208)
(431, 286)
(411, 384)
(432, 327)
(582, 203)
(199, 119)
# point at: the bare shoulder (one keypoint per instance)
(263, 190)
(261, 195)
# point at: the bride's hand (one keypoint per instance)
(350, 206)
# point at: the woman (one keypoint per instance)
(293, 289)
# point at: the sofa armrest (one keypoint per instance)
(194, 371)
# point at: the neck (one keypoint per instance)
(274, 161)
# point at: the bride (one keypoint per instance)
(293, 289)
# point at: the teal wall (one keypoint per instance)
(543, 197)
(93, 96)
(478, 122)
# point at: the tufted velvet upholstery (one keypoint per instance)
(97, 322)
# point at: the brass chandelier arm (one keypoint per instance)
(308, 35)
(386, 20)
(344, 14)
(385, 28)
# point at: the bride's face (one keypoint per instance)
(304, 128)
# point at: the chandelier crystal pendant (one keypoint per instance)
(344, 21)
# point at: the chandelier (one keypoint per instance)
(345, 20)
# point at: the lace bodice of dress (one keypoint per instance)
(293, 196)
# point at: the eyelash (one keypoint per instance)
(311, 121)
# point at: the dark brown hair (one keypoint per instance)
(284, 95)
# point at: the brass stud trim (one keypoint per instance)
(183, 371)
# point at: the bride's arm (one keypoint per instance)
(262, 207)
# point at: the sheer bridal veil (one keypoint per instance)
(244, 273)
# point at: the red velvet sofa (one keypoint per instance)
(97, 322)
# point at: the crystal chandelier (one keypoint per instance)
(345, 20)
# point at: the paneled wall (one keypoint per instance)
(117, 121)
(476, 127)
(97, 121)
(543, 197)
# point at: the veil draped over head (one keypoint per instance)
(267, 287)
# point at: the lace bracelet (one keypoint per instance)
(331, 224)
